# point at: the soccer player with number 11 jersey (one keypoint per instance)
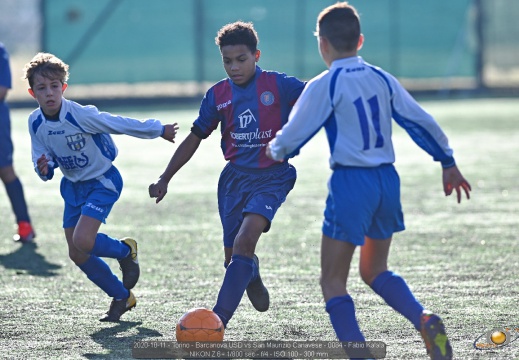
(355, 102)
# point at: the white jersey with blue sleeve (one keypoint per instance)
(79, 142)
(355, 102)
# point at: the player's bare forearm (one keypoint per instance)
(454, 180)
(181, 156)
(170, 131)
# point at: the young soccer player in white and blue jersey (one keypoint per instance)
(250, 106)
(75, 139)
(355, 103)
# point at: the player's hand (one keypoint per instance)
(453, 180)
(170, 131)
(269, 154)
(43, 165)
(158, 190)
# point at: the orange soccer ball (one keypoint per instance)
(199, 324)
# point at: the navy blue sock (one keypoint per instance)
(15, 192)
(394, 290)
(255, 270)
(235, 281)
(100, 274)
(106, 246)
(342, 317)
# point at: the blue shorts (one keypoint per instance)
(258, 191)
(6, 143)
(93, 198)
(363, 202)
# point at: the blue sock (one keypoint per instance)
(342, 317)
(255, 270)
(15, 192)
(394, 290)
(100, 274)
(106, 246)
(235, 281)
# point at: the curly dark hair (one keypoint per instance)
(238, 33)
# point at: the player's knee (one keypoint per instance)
(367, 279)
(77, 256)
(83, 243)
(368, 275)
(327, 282)
(244, 245)
(244, 251)
(321, 282)
(332, 287)
(7, 174)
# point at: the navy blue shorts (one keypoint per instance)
(6, 143)
(258, 191)
(363, 202)
(93, 198)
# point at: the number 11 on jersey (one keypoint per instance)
(375, 120)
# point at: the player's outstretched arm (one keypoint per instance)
(181, 156)
(452, 179)
(170, 131)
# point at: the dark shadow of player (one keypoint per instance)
(26, 261)
(120, 347)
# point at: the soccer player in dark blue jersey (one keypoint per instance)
(250, 106)
(12, 183)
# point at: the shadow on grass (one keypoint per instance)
(120, 347)
(26, 261)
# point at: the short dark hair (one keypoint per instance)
(238, 33)
(340, 24)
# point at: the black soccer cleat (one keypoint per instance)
(119, 307)
(257, 292)
(130, 265)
